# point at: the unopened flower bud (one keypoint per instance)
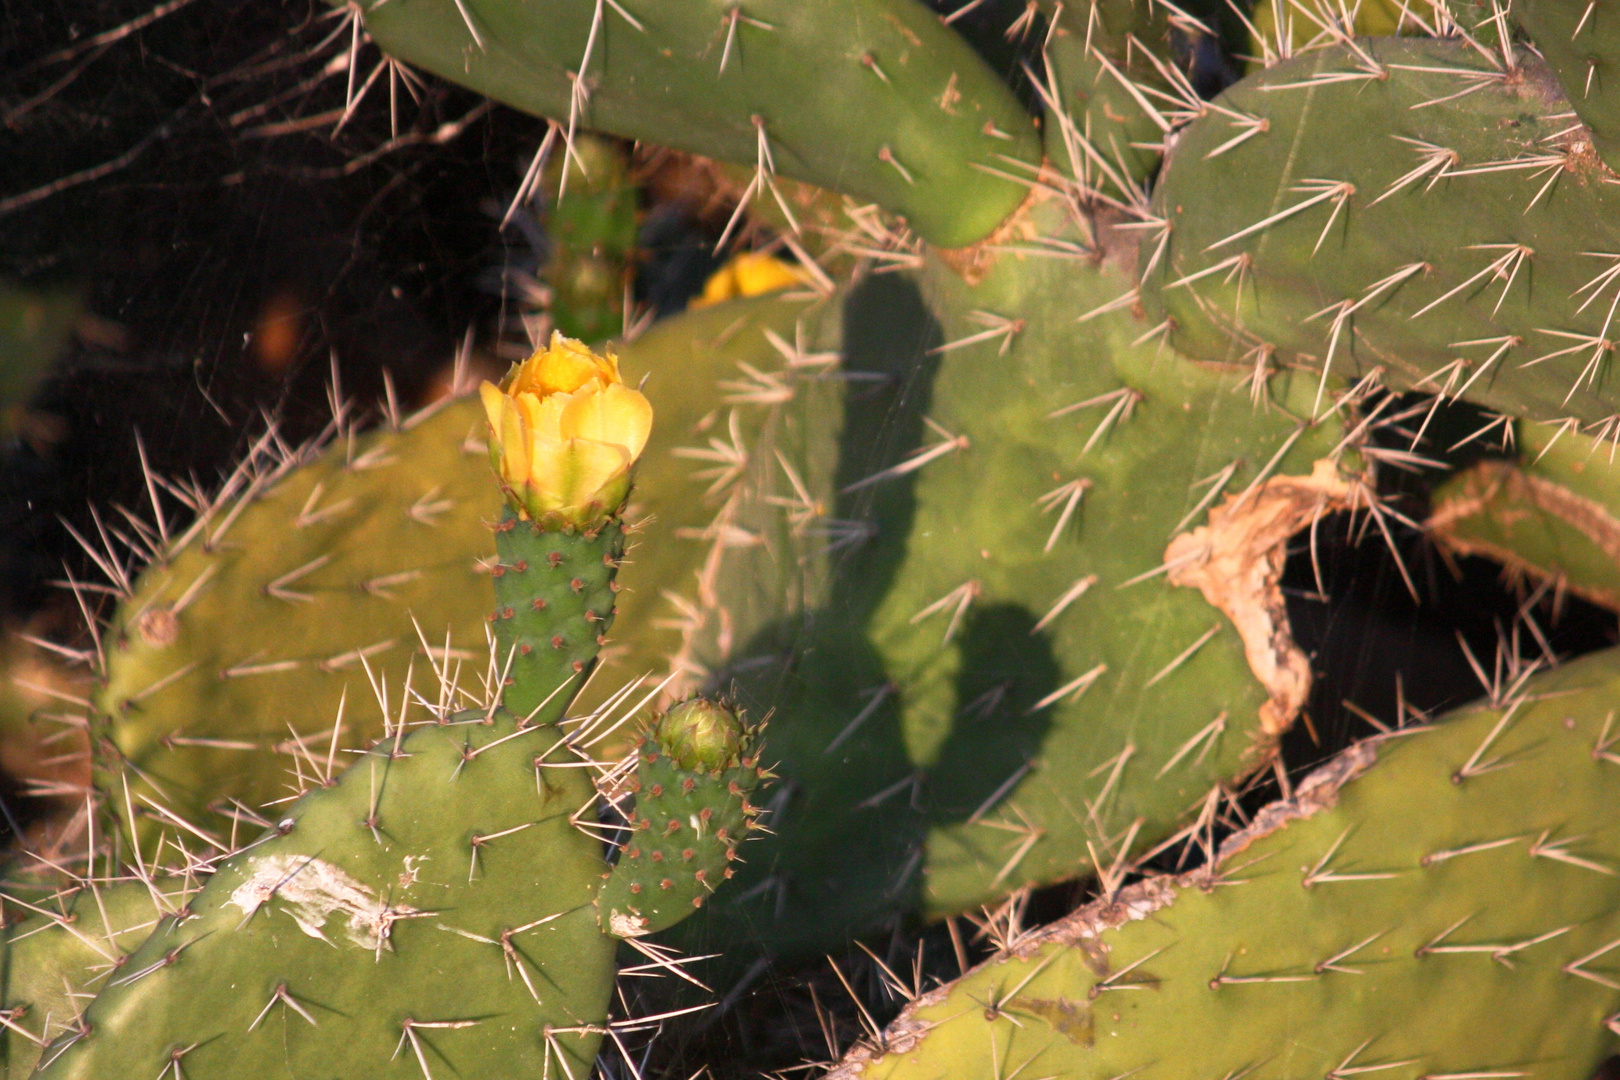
(701, 735)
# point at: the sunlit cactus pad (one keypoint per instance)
(433, 904)
(1440, 902)
(871, 97)
(245, 655)
(1334, 211)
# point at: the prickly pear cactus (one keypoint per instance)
(1017, 653)
(346, 939)
(1333, 215)
(695, 769)
(1440, 901)
(992, 527)
(366, 564)
(587, 235)
(1100, 56)
(1581, 42)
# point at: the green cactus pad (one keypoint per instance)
(553, 605)
(870, 97)
(226, 668)
(1442, 902)
(692, 812)
(1552, 515)
(990, 678)
(1335, 211)
(430, 909)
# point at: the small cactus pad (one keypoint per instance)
(870, 97)
(1438, 902)
(694, 772)
(1330, 213)
(430, 910)
(553, 605)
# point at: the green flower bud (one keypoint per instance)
(701, 735)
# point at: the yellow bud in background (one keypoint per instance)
(564, 432)
(749, 274)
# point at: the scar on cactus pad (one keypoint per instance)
(695, 768)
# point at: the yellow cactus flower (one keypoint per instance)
(564, 431)
(749, 274)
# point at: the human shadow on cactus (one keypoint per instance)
(831, 855)
(856, 800)
(1006, 668)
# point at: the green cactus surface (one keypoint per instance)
(57, 958)
(986, 691)
(430, 906)
(694, 773)
(872, 97)
(1440, 902)
(227, 667)
(1551, 516)
(1332, 213)
(1107, 61)
(590, 237)
(553, 606)
(1581, 42)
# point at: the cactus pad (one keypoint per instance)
(871, 97)
(431, 907)
(1333, 214)
(1442, 902)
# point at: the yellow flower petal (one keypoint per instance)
(542, 416)
(571, 475)
(514, 443)
(594, 469)
(759, 274)
(494, 408)
(562, 367)
(748, 274)
(617, 415)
